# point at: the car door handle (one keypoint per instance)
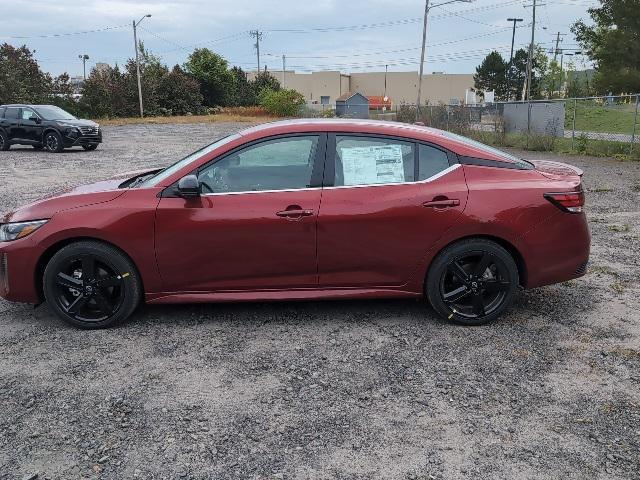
(295, 213)
(442, 203)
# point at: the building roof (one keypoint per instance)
(346, 96)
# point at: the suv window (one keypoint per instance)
(12, 113)
(431, 161)
(27, 113)
(373, 161)
(1, 112)
(279, 164)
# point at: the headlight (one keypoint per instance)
(14, 231)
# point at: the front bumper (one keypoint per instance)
(18, 265)
(72, 139)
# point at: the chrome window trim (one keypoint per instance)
(426, 180)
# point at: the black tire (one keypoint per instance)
(472, 282)
(38, 147)
(91, 147)
(53, 142)
(107, 294)
(4, 142)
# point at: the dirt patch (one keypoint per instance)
(354, 389)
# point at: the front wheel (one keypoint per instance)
(4, 141)
(90, 147)
(91, 285)
(472, 282)
(53, 142)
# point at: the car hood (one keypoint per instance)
(78, 123)
(80, 196)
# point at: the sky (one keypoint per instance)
(351, 36)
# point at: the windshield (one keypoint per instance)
(49, 112)
(167, 172)
(499, 153)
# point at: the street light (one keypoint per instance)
(427, 8)
(135, 41)
(84, 59)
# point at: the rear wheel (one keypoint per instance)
(53, 142)
(90, 147)
(4, 141)
(472, 282)
(91, 285)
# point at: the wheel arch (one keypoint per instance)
(508, 246)
(48, 254)
(47, 130)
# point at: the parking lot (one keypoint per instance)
(352, 389)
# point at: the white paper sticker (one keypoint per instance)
(372, 165)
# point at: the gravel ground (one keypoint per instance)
(352, 389)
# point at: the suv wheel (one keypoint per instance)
(4, 141)
(53, 142)
(90, 147)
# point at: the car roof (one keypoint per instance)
(457, 144)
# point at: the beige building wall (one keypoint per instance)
(402, 87)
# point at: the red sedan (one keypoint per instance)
(304, 209)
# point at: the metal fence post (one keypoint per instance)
(573, 132)
(635, 125)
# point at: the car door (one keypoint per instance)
(254, 225)
(12, 116)
(386, 201)
(30, 128)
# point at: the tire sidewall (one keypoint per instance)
(5, 141)
(457, 250)
(107, 254)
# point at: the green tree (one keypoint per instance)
(243, 93)
(613, 43)
(179, 94)
(21, 80)
(211, 70)
(103, 94)
(62, 94)
(264, 81)
(282, 103)
(517, 73)
(491, 75)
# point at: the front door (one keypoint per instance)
(253, 227)
(388, 201)
(32, 130)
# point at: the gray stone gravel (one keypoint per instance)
(347, 390)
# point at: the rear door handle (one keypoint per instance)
(442, 203)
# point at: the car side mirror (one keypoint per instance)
(35, 119)
(189, 187)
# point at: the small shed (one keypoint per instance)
(352, 105)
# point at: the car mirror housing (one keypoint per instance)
(35, 119)
(189, 187)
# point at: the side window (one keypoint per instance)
(2, 112)
(27, 113)
(12, 113)
(373, 161)
(432, 161)
(280, 164)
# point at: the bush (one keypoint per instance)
(282, 103)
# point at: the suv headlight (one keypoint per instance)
(14, 231)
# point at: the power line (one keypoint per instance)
(162, 38)
(65, 34)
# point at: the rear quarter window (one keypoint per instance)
(1, 112)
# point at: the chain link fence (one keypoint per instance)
(607, 125)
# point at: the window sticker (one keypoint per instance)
(371, 165)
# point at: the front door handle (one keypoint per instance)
(295, 212)
(442, 203)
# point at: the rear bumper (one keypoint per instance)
(558, 250)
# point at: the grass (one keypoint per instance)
(186, 119)
(595, 117)
(619, 228)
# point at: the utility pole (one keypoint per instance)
(424, 43)
(84, 59)
(558, 40)
(258, 34)
(135, 41)
(386, 69)
(513, 36)
(284, 68)
(527, 91)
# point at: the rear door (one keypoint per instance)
(253, 227)
(386, 201)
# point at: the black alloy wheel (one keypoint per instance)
(91, 285)
(472, 282)
(53, 142)
(4, 141)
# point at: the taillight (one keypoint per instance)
(571, 202)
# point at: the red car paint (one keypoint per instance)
(368, 241)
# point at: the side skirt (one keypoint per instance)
(276, 295)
